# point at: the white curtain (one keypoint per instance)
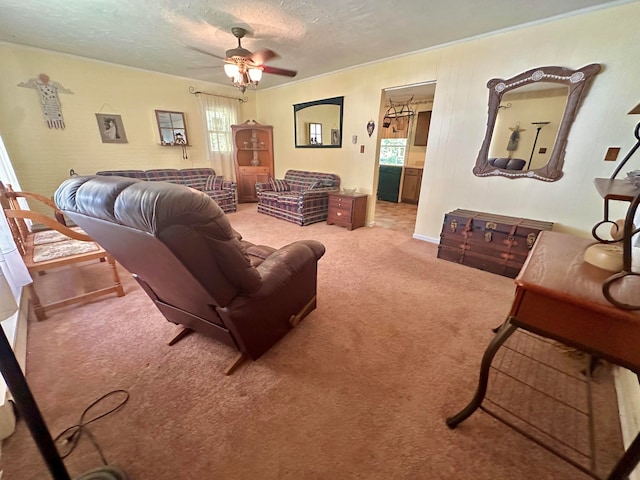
(218, 114)
(11, 261)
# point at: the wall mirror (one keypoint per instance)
(529, 119)
(318, 124)
(172, 128)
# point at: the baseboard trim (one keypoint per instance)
(424, 238)
(628, 393)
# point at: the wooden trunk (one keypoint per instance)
(494, 243)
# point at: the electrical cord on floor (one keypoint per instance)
(68, 439)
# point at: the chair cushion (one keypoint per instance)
(52, 236)
(214, 182)
(196, 177)
(164, 175)
(51, 251)
(300, 180)
(499, 162)
(141, 174)
(279, 185)
(515, 164)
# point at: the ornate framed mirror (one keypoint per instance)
(318, 124)
(529, 119)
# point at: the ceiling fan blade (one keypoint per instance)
(279, 71)
(207, 53)
(262, 56)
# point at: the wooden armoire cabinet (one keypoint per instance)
(253, 154)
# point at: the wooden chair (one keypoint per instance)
(56, 247)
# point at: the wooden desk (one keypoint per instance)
(559, 296)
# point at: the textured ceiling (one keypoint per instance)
(311, 36)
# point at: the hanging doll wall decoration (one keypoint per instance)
(49, 100)
(512, 146)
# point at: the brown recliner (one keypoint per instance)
(181, 248)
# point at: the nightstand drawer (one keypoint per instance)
(340, 215)
(257, 170)
(339, 201)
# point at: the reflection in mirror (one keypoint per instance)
(529, 119)
(313, 119)
(527, 125)
(172, 128)
(315, 133)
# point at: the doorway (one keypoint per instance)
(403, 138)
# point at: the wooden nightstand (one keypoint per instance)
(347, 210)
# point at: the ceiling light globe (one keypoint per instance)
(231, 70)
(255, 74)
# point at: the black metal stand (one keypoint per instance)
(623, 467)
(628, 233)
(27, 407)
(504, 332)
(626, 158)
(627, 268)
(533, 149)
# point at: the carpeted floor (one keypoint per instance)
(359, 390)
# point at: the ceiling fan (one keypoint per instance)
(245, 68)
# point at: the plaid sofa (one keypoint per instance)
(196, 178)
(305, 198)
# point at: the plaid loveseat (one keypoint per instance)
(303, 197)
(223, 192)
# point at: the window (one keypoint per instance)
(392, 151)
(219, 133)
(315, 134)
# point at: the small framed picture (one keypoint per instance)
(335, 136)
(111, 128)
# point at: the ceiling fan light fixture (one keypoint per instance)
(255, 74)
(245, 68)
(232, 70)
(243, 77)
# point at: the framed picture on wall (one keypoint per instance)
(335, 136)
(111, 128)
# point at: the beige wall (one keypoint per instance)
(42, 157)
(459, 118)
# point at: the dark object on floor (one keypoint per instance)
(181, 248)
(104, 473)
(28, 409)
(494, 243)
